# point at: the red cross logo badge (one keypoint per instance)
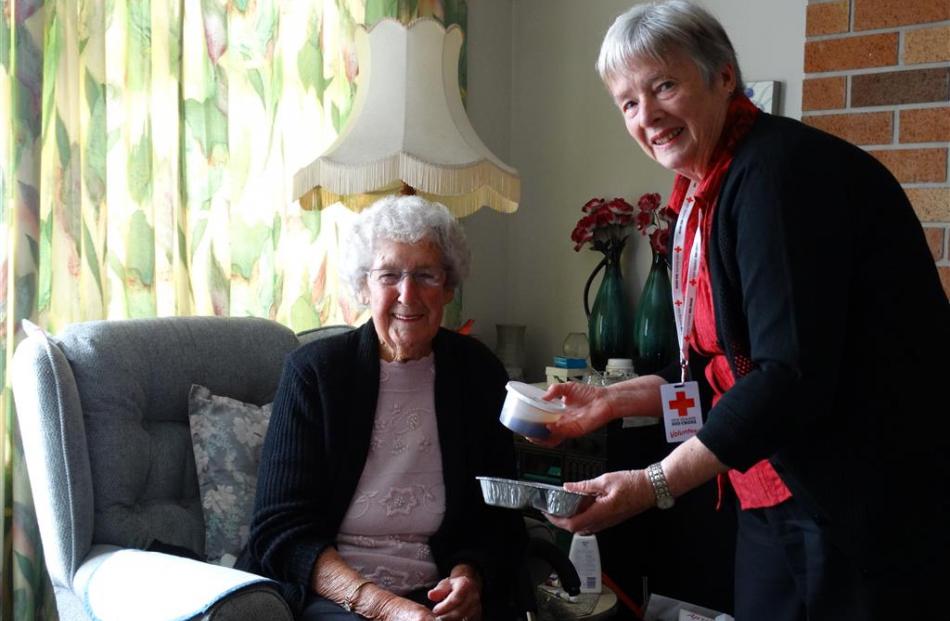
(681, 404)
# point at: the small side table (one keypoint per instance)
(604, 608)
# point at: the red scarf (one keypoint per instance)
(760, 486)
(740, 117)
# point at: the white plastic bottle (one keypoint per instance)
(585, 554)
(618, 370)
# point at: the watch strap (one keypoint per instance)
(661, 488)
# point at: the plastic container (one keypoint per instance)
(525, 412)
(510, 348)
(585, 554)
(618, 370)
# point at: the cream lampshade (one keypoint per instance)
(408, 128)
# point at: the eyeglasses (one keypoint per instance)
(430, 277)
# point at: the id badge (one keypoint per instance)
(682, 412)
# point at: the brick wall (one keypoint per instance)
(877, 73)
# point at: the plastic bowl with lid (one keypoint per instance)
(525, 412)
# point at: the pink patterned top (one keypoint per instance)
(400, 499)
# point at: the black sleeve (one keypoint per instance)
(785, 233)
(290, 527)
(495, 538)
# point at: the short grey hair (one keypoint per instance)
(407, 219)
(655, 29)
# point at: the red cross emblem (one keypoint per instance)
(681, 404)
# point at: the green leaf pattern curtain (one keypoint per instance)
(146, 155)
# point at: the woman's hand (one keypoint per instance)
(589, 408)
(618, 496)
(624, 494)
(592, 407)
(458, 597)
(387, 606)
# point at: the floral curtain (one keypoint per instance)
(146, 156)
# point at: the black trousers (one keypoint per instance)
(319, 609)
(661, 545)
(788, 570)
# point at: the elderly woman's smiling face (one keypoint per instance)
(671, 112)
(406, 292)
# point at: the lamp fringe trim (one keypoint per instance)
(483, 180)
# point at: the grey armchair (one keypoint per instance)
(103, 413)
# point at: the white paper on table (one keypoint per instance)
(662, 608)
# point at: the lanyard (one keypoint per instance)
(684, 297)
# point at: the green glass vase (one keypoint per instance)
(609, 329)
(654, 326)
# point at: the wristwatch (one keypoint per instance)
(664, 499)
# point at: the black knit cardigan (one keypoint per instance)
(318, 440)
(832, 316)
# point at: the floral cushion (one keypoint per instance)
(227, 436)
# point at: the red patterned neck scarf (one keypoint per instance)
(760, 486)
(739, 119)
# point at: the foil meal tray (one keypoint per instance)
(551, 499)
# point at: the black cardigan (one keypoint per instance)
(831, 313)
(318, 440)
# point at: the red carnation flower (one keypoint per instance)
(592, 204)
(605, 224)
(603, 218)
(619, 206)
(649, 202)
(655, 222)
(659, 239)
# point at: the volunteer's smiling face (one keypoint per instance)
(406, 292)
(671, 112)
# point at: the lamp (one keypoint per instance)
(408, 130)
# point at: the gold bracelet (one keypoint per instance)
(350, 600)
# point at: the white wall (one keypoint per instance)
(486, 295)
(569, 144)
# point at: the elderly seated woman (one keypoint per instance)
(367, 503)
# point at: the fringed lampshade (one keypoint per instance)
(408, 129)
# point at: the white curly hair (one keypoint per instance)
(407, 219)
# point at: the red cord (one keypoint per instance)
(623, 597)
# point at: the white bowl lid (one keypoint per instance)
(532, 396)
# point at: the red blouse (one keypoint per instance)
(760, 485)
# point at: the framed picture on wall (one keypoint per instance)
(764, 94)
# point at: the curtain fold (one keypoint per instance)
(147, 150)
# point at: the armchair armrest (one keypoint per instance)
(123, 583)
(49, 414)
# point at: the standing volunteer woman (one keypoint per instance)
(807, 296)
